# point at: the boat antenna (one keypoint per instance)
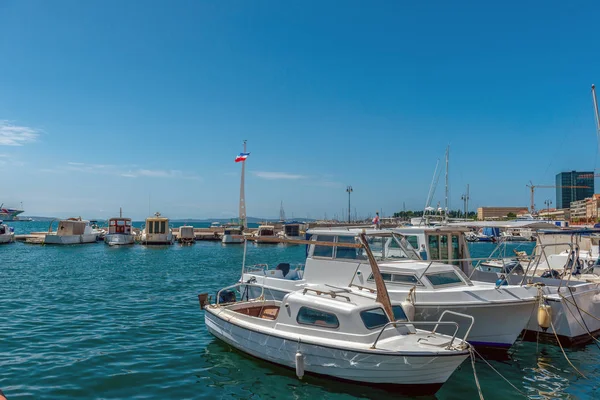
(382, 294)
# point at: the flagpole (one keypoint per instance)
(243, 195)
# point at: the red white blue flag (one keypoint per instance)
(242, 157)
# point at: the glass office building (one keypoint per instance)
(566, 194)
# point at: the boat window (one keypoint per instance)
(400, 279)
(443, 247)
(414, 241)
(374, 318)
(399, 314)
(324, 251)
(163, 227)
(112, 223)
(347, 253)
(309, 316)
(448, 278)
(121, 223)
(456, 250)
(128, 223)
(434, 247)
(151, 227)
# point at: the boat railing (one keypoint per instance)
(437, 323)
(331, 293)
(218, 301)
(265, 267)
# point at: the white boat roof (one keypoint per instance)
(332, 297)
(440, 228)
(531, 224)
(349, 231)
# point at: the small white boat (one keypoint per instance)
(292, 231)
(186, 234)
(265, 232)
(71, 231)
(119, 232)
(334, 332)
(7, 234)
(232, 235)
(157, 231)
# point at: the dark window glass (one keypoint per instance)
(324, 251)
(399, 314)
(151, 227)
(309, 316)
(163, 227)
(434, 247)
(407, 279)
(374, 318)
(346, 252)
(444, 278)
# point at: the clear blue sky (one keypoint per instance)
(109, 103)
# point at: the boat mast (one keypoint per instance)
(596, 112)
(243, 195)
(281, 213)
(446, 202)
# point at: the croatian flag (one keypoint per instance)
(242, 157)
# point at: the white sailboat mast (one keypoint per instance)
(447, 162)
(243, 194)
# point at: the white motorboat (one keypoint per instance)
(7, 234)
(265, 234)
(119, 232)
(341, 333)
(71, 231)
(232, 235)
(157, 231)
(292, 231)
(568, 285)
(186, 234)
(431, 286)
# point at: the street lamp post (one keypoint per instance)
(548, 203)
(349, 190)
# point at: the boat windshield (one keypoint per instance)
(391, 248)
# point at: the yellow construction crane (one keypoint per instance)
(532, 187)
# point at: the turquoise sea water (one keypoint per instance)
(91, 321)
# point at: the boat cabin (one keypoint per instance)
(326, 311)
(291, 230)
(446, 244)
(119, 226)
(157, 225)
(265, 230)
(73, 227)
(233, 230)
(400, 264)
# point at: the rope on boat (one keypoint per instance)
(475, 374)
(541, 298)
(563, 350)
(498, 372)
(584, 325)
